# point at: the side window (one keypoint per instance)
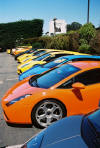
(85, 59)
(75, 60)
(67, 84)
(88, 77)
(49, 59)
(59, 55)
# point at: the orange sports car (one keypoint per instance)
(21, 49)
(70, 89)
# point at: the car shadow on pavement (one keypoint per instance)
(20, 125)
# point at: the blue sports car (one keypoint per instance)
(38, 69)
(72, 132)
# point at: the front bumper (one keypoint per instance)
(19, 71)
(20, 114)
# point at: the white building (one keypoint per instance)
(57, 26)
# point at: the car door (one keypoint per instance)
(82, 100)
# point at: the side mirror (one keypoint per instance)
(78, 85)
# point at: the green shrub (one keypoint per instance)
(12, 34)
(30, 40)
(85, 48)
(59, 42)
(71, 32)
(74, 41)
(83, 41)
(95, 43)
(45, 40)
(87, 32)
(37, 45)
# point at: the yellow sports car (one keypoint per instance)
(8, 51)
(40, 60)
(26, 55)
(36, 53)
(47, 57)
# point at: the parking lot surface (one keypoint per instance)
(8, 76)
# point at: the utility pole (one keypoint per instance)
(88, 13)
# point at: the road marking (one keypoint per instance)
(1, 82)
(11, 79)
(14, 146)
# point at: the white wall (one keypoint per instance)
(60, 27)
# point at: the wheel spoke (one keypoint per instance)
(41, 116)
(44, 108)
(49, 119)
(48, 112)
(57, 117)
(54, 108)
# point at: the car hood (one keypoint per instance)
(38, 70)
(32, 63)
(19, 89)
(32, 71)
(64, 134)
(23, 64)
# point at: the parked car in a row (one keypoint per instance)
(66, 90)
(40, 68)
(45, 58)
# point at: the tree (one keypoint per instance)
(74, 26)
(13, 33)
(87, 32)
(95, 42)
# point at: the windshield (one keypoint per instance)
(91, 129)
(33, 51)
(54, 76)
(41, 57)
(54, 63)
(40, 53)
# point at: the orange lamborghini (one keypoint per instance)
(70, 89)
(21, 49)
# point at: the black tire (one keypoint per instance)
(47, 102)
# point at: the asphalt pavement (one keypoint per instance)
(10, 135)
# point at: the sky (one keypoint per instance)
(68, 10)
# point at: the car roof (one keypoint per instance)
(53, 49)
(57, 52)
(86, 64)
(81, 56)
(66, 51)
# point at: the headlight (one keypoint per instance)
(35, 142)
(17, 99)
